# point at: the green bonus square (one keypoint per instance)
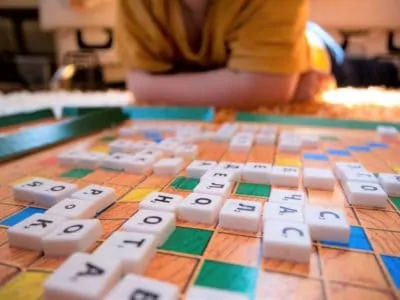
(112, 170)
(253, 189)
(77, 173)
(107, 138)
(328, 138)
(396, 202)
(188, 240)
(225, 276)
(177, 182)
(188, 184)
(183, 183)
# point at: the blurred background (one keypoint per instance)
(42, 41)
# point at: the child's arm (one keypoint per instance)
(220, 88)
(226, 88)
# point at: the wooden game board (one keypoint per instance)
(368, 267)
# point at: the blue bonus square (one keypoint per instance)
(377, 145)
(358, 240)
(392, 264)
(154, 136)
(338, 152)
(315, 156)
(359, 149)
(21, 215)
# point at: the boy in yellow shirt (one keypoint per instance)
(224, 53)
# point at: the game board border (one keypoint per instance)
(76, 111)
(25, 117)
(311, 121)
(33, 139)
(195, 113)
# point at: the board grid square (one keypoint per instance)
(253, 190)
(358, 240)
(76, 173)
(225, 276)
(188, 240)
(184, 183)
(21, 215)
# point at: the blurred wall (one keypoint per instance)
(365, 27)
(37, 40)
(19, 3)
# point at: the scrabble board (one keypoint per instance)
(213, 258)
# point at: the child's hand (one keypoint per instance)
(312, 84)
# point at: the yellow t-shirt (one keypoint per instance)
(266, 36)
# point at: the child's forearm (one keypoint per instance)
(220, 88)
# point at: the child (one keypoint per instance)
(225, 53)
